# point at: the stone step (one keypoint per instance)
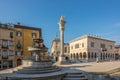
(36, 72)
(74, 76)
(75, 73)
(75, 79)
(39, 69)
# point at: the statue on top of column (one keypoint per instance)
(62, 21)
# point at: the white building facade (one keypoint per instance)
(90, 48)
(117, 52)
(55, 50)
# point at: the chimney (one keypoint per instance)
(18, 23)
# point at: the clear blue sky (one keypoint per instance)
(98, 17)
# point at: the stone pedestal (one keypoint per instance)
(62, 61)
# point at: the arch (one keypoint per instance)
(84, 55)
(111, 55)
(80, 55)
(88, 54)
(19, 62)
(77, 57)
(106, 55)
(71, 56)
(101, 56)
(92, 55)
(95, 55)
(56, 58)
(74, 55)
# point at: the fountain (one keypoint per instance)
(38, 67)
(39, 63)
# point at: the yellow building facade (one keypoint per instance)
(24, 36)
(7, 55)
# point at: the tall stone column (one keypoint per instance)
(61, 24)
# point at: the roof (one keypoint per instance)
(89, 36)
(25, 27)
(117, 46)
(6, 26)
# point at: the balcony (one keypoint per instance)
(103, 49)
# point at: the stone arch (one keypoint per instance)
(92, 55)
(106, 55)
(113, 55)
(88, 54)
(71, 56)
(77, 56)
(19, 62)
(101, 55)
(110, 55)
(84, 55)
(80, 55)
(74, 55)
(95, 55)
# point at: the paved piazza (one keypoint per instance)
(95, 67)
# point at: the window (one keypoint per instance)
(102, 45)
(11, 43)
(92, 44)
(82, 44)
(33, 53)
(33, 44)
(18, 44)
(4, 54)
(11, 34)
(18, 53)
(33, 35)
(11, 53)
(19, 33)
(65, 49)
(76, 46)
(5, 44)
(110, 46)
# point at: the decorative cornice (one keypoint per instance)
(89, 36)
